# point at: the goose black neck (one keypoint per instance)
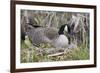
(61, 30)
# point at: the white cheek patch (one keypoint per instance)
(66, 28)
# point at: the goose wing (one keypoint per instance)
(51, 33)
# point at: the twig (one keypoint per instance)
(56, 54)
(51, 17)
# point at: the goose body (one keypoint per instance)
(61, 42)
(49, 35)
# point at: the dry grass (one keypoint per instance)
(30, 53)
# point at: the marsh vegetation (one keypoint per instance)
(79, 36)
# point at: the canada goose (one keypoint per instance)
(50, 35)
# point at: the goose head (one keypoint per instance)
(64, 28)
